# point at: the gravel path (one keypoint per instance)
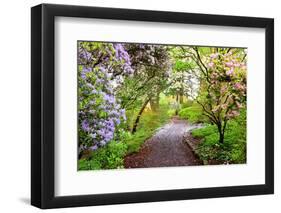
(165, 148)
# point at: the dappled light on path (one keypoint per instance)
(165, 148)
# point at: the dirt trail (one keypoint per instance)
(165, 148)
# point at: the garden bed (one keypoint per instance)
(193, 143)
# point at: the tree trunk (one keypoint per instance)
(181, 99)
(181, 93)
(154, 102)
(221, 138)
(177, 102)
(134, 129)
(221, 133)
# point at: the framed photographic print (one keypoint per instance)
(139, 106)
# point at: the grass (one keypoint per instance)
(149, 123)
(193, 114)
(233, 150)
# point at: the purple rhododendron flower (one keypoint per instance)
(85, 125)
(84, 71)
(93, 148)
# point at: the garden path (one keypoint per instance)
(165, 148)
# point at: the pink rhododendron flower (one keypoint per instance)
(238, 86)
(214, 75)
(229, 72)
(223, 106)
(211, 64)
(229, 64)
(235, 113)
(214, 55)
(236, 64)
(239, 105)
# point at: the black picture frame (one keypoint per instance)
(43, 102)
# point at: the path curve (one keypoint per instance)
(165, 148)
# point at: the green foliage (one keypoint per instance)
(187, 103)
(135, 141)
(233, 150)
(180, 66)
(149, 123)
(107, 157)
(205, 131)
(171, 112)
(193, 114)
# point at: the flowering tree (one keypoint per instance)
(183, 81)
(102, 68)
(151, 64)
(223, 88)
(180, 83)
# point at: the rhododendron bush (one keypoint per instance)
(102, 68)
(223, 92)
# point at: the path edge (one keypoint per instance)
(193, 146)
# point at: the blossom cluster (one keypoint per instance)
(227, 82)
(122, 55)
(100, 113)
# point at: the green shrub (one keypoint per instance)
(205, 131)
(135, 141)
(187, 103)
(233, 150)
(85, 164)
(108, 157)
(171, 112)
(193, 114)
